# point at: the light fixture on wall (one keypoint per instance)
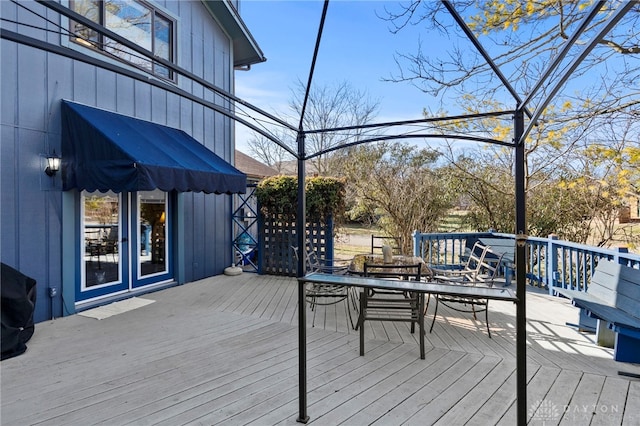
(53, 164)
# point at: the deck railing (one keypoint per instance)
(550, 262)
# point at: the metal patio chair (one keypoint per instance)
(478, 271)
(326, 294)
(391, 305)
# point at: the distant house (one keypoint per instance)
(290, 168)
(634, 208)
(131, 97)
(254, 169)
(631, 212)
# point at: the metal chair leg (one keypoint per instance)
(435, 312)
(421, 323)
(426, 305)
(486, 317)
(363, 309)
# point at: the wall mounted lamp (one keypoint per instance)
(53, 164)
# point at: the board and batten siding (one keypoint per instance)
(36, 215)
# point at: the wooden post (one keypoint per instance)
(621, 250)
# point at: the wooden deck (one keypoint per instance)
(224, 351)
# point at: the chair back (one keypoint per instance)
(489, 270)
(476, 256)
(316, 264)
(470, 271)
(482, 269)
(309, 264)
(313, 261)
(411, 272)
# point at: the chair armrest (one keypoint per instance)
(336, 267)
(449, 279)
(450, 272)
(333, 269)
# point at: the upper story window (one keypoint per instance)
(136, 21)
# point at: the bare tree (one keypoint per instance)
(269, 152)
(523, 38)
(330, 107)
(401, 186)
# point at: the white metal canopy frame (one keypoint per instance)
(233, 108)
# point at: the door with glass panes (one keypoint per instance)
(125, 240)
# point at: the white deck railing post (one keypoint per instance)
(552, 263)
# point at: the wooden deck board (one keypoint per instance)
(537, 388)
(319, 375)
(465, 409)
(429, 388)
(608, 409)
(501, 402)
(288, 299)
(559, 395)
(322, 376)
(369, 404)
(631, 412)
(388, 402)
(454, 394)
(584, 400)
(213, 408)
(228, 388)
(351, 378)
(224, 350)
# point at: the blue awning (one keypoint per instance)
(105, 151)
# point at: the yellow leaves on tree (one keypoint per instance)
(505, 14)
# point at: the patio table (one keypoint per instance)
(492, 293)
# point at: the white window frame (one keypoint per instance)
(75, 44)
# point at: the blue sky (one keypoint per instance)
(356, 46)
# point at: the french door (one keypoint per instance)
(125, 242)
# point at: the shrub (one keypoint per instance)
(324, 196)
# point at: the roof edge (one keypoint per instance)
(245, 48)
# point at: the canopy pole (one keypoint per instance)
(301, 221)
(301, 229)
(521, 240)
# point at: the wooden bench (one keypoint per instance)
(613, 299)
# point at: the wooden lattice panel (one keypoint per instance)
(278, 235)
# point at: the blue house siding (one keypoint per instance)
(39, 223)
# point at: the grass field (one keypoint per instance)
(454, 222)
(352, 239)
